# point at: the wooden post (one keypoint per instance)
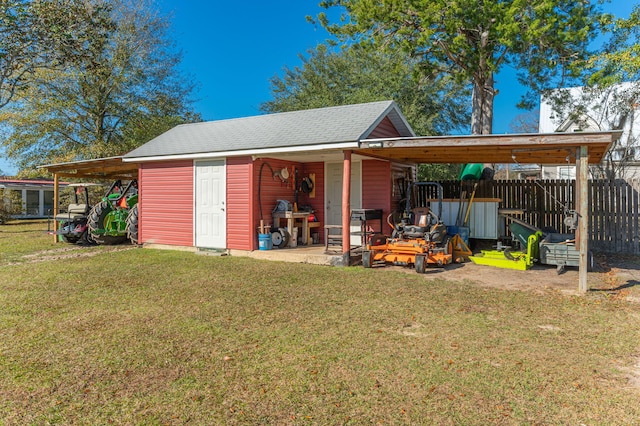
(56, 202)
(582, 236)
(346, 206)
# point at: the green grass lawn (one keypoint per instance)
(19, 238)
(161, 337)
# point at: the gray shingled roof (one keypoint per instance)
(348, 123)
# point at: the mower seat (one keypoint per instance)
(74, 212)
(421, 216)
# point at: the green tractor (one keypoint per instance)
(114, 220)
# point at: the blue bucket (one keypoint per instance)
(463, 231)
(265, 242)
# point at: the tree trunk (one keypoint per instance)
(482, 106)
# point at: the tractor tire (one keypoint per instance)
(96, 222)
(132, 225)
(69, 239)
(87, 239)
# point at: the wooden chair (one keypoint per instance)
(333, 239)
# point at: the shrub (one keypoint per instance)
(10, 205)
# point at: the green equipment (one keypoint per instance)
(114, 220)
(503, 257)
(547, 248)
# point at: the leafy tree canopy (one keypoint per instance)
(470, 40)
(44, 34)
(359, 74)
(120, 89)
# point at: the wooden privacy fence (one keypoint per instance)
(613, 219)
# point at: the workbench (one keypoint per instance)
(291, 218)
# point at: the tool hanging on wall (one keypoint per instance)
(306, 185)
(273, 173)
(296, 184)
(283, 174)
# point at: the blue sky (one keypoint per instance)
(232, 49)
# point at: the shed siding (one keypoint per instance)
(385, 129)
(166, 203)
(376, 188)
(240, 232)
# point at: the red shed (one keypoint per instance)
(210, 184)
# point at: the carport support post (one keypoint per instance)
(346, 207)
(583, 221)
(56, 202)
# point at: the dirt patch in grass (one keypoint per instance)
(69, 252)
(28, 241)
(612, 277)
(633, 374)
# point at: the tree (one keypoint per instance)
(527, 122)
(471, 40)
(10, 204)
(45, 34)
(618, 61)
(359, 74)
(121, 90)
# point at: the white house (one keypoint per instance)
(36, 195)
(614, 108)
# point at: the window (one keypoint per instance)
(48, 203)
(33, 203)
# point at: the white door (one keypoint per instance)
(334, 196)
(210, 208)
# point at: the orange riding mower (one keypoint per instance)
(419, 238)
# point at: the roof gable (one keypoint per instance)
(332, 125)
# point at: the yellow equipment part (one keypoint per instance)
(460, 250)
(510, 260)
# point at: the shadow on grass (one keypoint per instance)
(605, 263)
(628, 284)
